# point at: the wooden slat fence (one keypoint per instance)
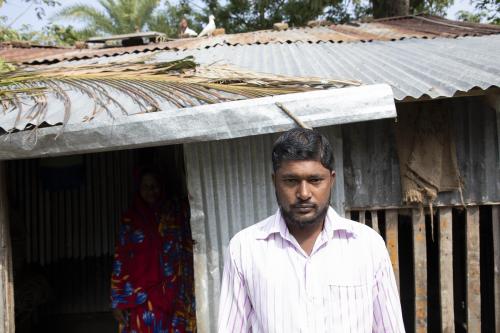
(455, 281)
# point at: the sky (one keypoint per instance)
(19, 12)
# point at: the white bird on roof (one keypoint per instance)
(190, 32)
(209, 28)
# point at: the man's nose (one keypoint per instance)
(303, 191)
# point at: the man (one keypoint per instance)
(184, 31)
(306, 269)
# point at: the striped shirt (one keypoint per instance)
(346, 285)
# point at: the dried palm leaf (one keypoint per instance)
(182, 83)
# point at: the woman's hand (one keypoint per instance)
(120, 316)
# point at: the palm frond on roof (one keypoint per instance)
(181, 83)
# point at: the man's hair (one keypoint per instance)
(301, 144)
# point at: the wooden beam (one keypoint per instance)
(6, 276)
(348, 214)
(495, 220)
(446, 270)
(420, 270)
(374, 218)
(473, 271)
(391, 237)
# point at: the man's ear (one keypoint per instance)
(333, 174)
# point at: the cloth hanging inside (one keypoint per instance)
(427, 154)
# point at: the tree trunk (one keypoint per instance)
(388, 8)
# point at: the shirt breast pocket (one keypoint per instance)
(349, 306)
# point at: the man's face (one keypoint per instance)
(303, 191)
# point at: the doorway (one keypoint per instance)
(65, 216)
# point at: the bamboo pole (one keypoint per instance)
(391, 234)
(495, 220)
(473, 271)
(446, 270)
(7, 324)
(420, 270)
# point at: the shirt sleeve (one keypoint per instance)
(387, 316)
(234, 307)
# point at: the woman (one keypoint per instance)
(152, 278)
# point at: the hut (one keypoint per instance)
(427, 181)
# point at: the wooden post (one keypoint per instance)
(391, 237)
(361, 218)
(495, 219)
(338, 193)
(420, 270)
(348, 214)
(473, 273)
(374, 218)
(6, 276)
(446, 270)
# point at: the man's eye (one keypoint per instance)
(315, 180)
(290, 181)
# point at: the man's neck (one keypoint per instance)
(306, 236)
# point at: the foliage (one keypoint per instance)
(118, 16)
(490, 10)
(487, 11)
(52, 34)
(432, 7)
(166, 20)
(39, 5)
(250, 15)
(6, 67)
(467, 16)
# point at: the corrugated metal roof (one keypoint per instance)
(390, 29)
(414, 68)
(200, 123)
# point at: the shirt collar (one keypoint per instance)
(333, 222)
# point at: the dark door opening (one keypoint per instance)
(65, 219)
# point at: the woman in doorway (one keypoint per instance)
(152, 288)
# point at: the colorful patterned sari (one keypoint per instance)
(152, 275)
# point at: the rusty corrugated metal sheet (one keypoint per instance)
(371, 165)
(381, 30)
(19, 54)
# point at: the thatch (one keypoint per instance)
(182, 83)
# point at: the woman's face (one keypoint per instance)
(149, 189)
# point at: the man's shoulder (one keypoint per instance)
(360, 231)
(252, 233)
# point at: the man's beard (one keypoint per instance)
(291, 218)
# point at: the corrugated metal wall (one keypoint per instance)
(231, 188)
(71, 223)
(69, 233)
(372, 166)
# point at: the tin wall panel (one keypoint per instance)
(69, 234)
(372, 166)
